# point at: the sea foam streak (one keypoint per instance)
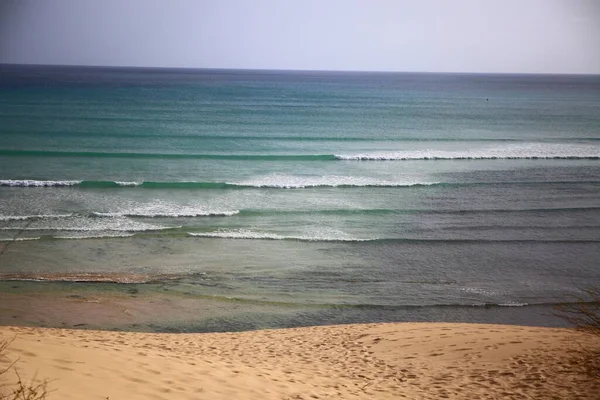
(298, 182)
(80, 235)
(34, 183)
(35, 216)
(86, 224)
(249, 234)
(166, 214)
(22, 239)
(273, 181)
(88, 277)
(520, 151)
(165, 209)
(123, 183)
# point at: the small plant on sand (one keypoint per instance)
(584, 315)
(19, 390)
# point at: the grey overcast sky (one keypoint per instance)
(529, 36)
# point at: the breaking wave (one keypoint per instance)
(34, 183)
(19, 239)
(275, 182)
(298, 182)
(507, 149)
(531, 151)
(249, 234)
(166, 214)
(33, 217)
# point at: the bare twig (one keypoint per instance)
(20, 390)
(584, 315)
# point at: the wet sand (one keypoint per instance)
(370, 361)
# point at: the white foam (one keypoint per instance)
(477, 290)
(164, 209)
(511, 151)
(83, 224)
(159, 214)
(123, 183)
(19, 239)
(35, 216)
(34, 183)
(297, 182)
(249, 234)
(94, 236)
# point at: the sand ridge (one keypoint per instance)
(370, 361)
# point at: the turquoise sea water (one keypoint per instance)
(328, 197)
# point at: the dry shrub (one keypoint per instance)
(19, 390)
(584, 315)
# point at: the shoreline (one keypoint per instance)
(152, 308)
(378, 361)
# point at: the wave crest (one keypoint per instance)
(21, 239)
(509, 152)
(299, 182)
(249, 234)
(35, 183)
(273, 182)
(35, 216)
(166, 214)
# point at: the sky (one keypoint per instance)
(514, 36)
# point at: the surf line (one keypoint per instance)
(6, 244)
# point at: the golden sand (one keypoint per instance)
(372, 361)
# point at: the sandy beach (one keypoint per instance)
(371, 361)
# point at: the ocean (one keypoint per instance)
(223, 200)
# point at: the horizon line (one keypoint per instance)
(292, 70)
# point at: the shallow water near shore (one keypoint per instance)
(229, 200)
(168, 308)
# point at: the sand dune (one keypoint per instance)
(373, 361)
